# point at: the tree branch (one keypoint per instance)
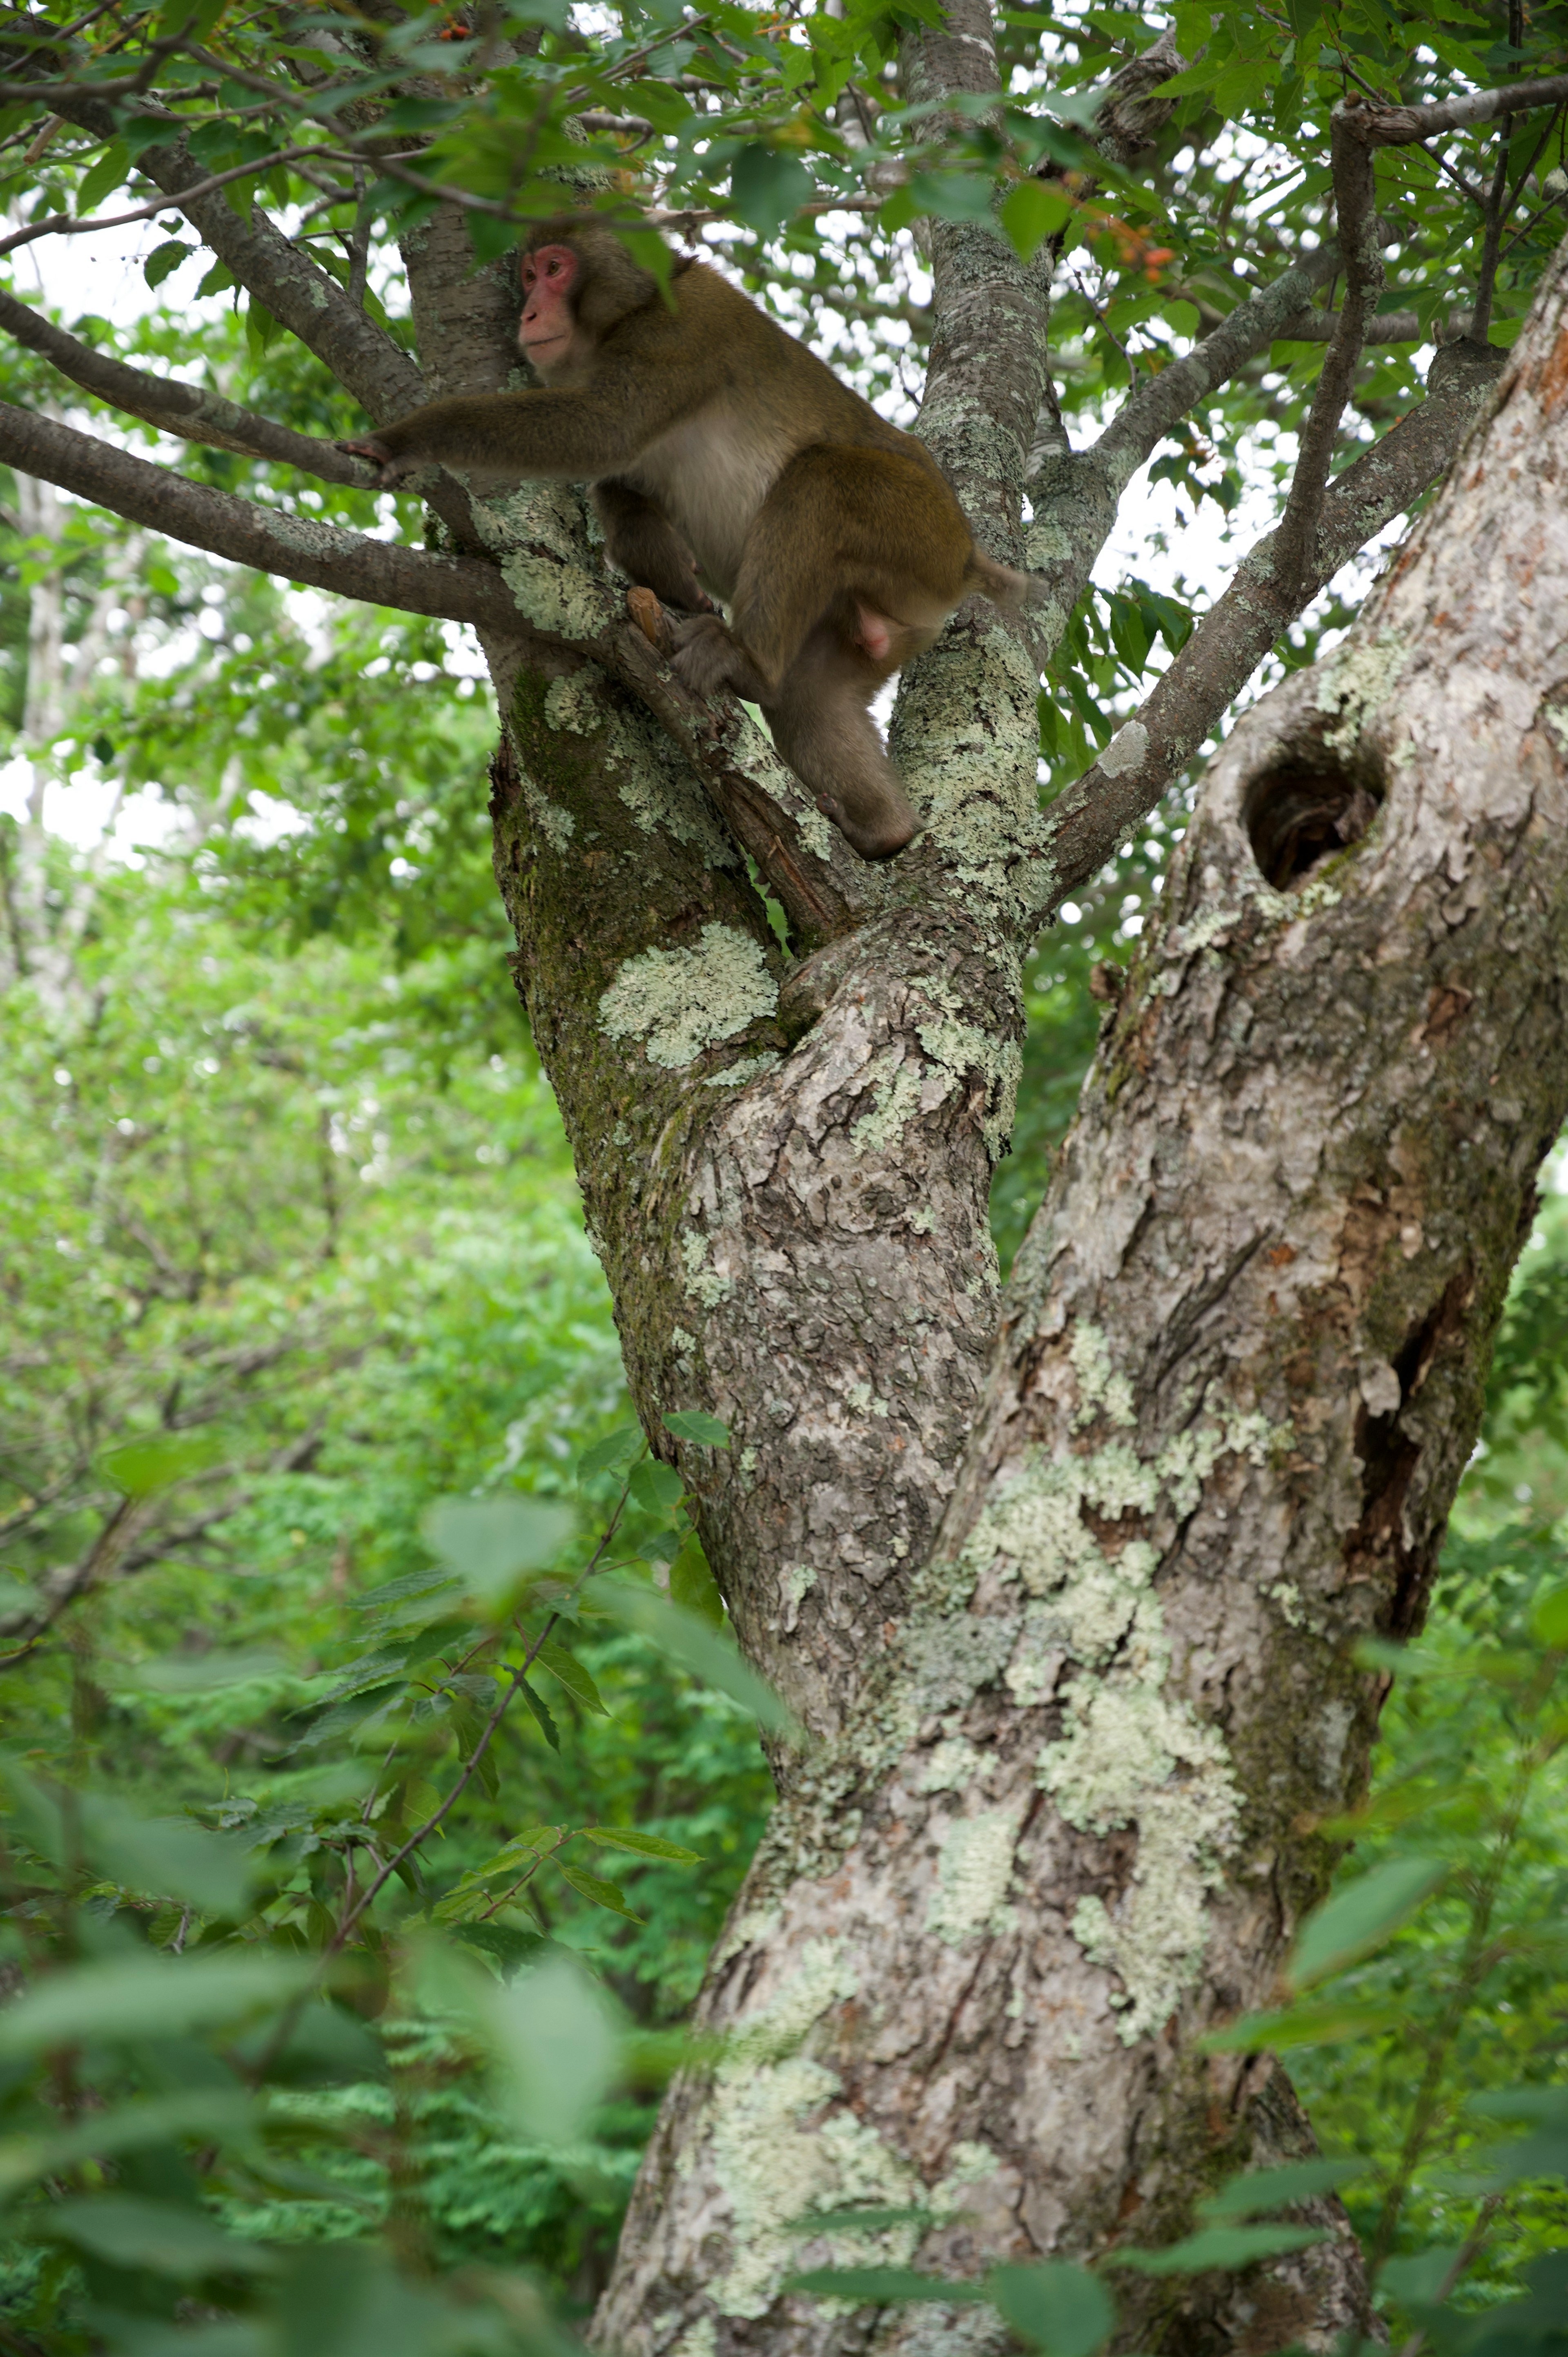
(1091, 817)
(306, 299)
(195, 415)
(457, 588)
(1355, 199)
(1401, 126)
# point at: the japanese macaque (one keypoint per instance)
(727, 461)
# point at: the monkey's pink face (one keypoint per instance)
(549, 274)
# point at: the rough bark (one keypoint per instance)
(1069, 1824)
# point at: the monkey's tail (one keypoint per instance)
(1000, 583)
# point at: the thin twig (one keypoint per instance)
(1354, 194)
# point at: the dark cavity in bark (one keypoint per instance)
(1299, 812)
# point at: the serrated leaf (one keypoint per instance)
(603, 1893)
(490, 1543)
(1358, 1920)
(640, 1845)
(1324, 2024)
(693, 1588)
(547, 1726)
(165, 260)
(1219, 2246)
(571, 1674)
(111, 172)
(171, 2240)
(656, 1488)
(1031, 211)
(614, 1453)
(767, 188)
(213, 2114)
(883, 2286)
(694, 1424)
(1275, 2188)
(684, 1639)
(141, 1996)
(1058, 2308)
(142, 1468)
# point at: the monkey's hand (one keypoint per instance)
(390, 470)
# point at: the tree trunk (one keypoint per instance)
(1060, 1817)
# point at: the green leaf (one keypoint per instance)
(1358, 1920)
(1324, 2024)
(536, 1704)
(111, 172)
(614, 1453)
(567, 1667)
(608, 1895)
(185, 1674)
(165, 260)
(767, 188)
(1275, 2188)
(214, 2113)
(173, 2241)
(1219, 2247)
(640, 1845)
(148, 1996)
(164, 1857)
(693, 1588)
(144, 1467)
(1031, 211)
(217, 280)
(491, 1541)
(681, 1638)
(871, 2218)
(695, 1424)
(881, 2286)
(1059, 2307)
(555, 2044)
(656, 1488)
(1549, 1620)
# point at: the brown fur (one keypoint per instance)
(725, 457)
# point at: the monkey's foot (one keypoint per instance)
(651, 620)
(708, 660)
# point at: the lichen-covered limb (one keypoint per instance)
(1086, 822)
(1240, 1372)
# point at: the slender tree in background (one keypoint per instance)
(1064, 1588)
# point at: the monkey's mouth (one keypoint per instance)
(531, 344)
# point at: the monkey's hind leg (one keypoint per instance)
(823, 730)
(640, 539)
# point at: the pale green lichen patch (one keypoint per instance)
(777, 2160)
(961, 1048)
(703, 1282)
(571, 703)
(952, 1766)
(1132, 1754)
(746, 1068)
(679, 1002)
(796, 1582)
(975, 1865)
(895, 1099)
(1355, 680)
(1099, 1390)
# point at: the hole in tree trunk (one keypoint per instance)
(1298, 814)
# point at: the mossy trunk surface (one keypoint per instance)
(1065, 1586)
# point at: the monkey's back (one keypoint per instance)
(754, 397)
